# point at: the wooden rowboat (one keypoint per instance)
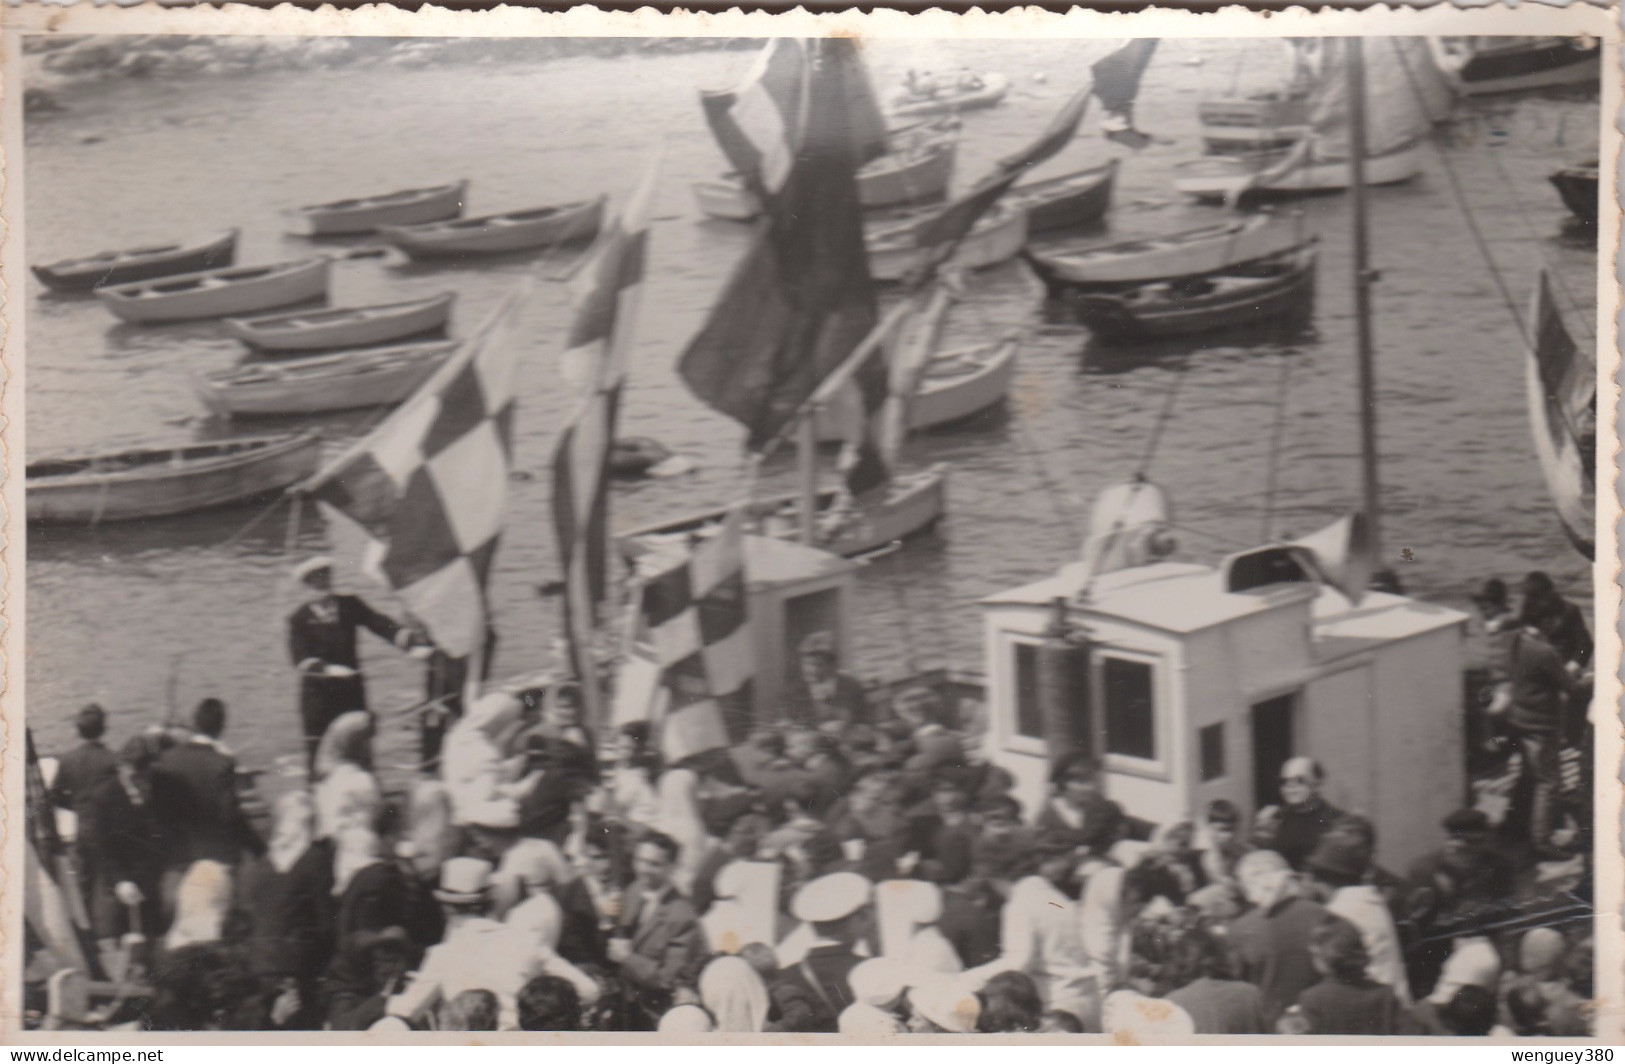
(1279, 287)
(1578, 187)
(892, 180)
(366, 213)
(957, 384)
(1213, 177)
(989, 92)
(219, 293)
(494, 234)
(1479, 66)
(1179, 254)
(316, 330)
(894, 250)
(160, 481)
(347, 380)
(138, 264)
(914, 504)
(1066, 202)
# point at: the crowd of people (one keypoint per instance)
(854, 867)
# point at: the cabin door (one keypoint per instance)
(1273, 744)
(817, 611)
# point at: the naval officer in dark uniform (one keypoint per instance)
(321, 642)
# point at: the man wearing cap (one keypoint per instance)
(1559, 620)
(822, 694)
(1466, 870)
(812, 993)
(322, 644)
(658, 934)
(1293, 829)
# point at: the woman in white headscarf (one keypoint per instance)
(347, 794)
(480, 776)
(734, 994)
(682, 820)
(908, 910)
(201, 902)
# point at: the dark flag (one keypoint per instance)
(801, 299)
(1117, 83)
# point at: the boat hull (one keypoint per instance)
(167, 488)
(81, 275)
(1116, 318)
(1239, 125)
(1215, 177)
(920, 181)
(1578, 187)
(1155, 258)
(326, 329)
(946, 399)
(348, 381)
(1535, 64)
(499, 233)
(992, 91)
(1069, 202)
(413, 207)
(895, 256)
(218, 295)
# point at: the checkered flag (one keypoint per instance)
(429, 486)
(695, 615)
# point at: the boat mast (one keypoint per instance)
(1364, 277)
(807, 467)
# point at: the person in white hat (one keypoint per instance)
(322, 644)
(812, 993)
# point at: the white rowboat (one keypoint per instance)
(1201, 250)
(494, 234)
(894, 251)
(366, 213)
(1217, 176)
(219, 293)
(957, 385)
(316, 330)
(375, 376)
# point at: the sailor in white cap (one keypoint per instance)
(812, 993)
(322, 644)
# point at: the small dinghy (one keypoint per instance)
(957, 385)
(219, 293)
(494, 234)
(1153, 258)
(924, 98)
(1070, 201)
(138, 264)
(365, 214)
(1278, 287)
(895, 251)
(317, 330)
(915, 176)
(1578, 187)
(161, 481)
(374, 376)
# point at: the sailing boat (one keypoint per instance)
(1398, 117)
(1562, 385)
(1267, 121)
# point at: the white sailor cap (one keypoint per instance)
(304, 569)
(832, 897)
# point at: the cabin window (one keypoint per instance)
(1212, 744)
(1130, 704)
(1029, 718)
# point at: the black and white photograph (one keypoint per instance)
(812, 532)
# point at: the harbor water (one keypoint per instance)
(1258, 430)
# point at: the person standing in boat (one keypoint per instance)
(322, 644)
(822, 694)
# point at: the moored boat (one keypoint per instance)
(1561, 379)
(1278, 287)
(956, 385)
(138, 264)
(1577, 185)
(494, 234)
(1252, 123)
(161, 481)
(893, 180)
(895, 252)
(1275, 172)
(316, 330)
(219, 293)
(374, 376)
(1200, 250)
(978, 91)
(1069, 201)
(364, 214)
(1479, 66)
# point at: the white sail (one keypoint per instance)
(1396, 104)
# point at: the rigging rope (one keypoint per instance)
(1161, 423)
(1272, 468)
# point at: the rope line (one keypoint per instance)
(1277, 432)
(1161, 423)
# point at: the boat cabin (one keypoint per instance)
(1191, 683)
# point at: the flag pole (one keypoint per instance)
(807, 471)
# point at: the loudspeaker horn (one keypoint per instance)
(1341, 554)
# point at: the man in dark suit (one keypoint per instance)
(80, 769)
(812, 993)
(657, 935)
(322, 644)
(821, 693)
(194, 797)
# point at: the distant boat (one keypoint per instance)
(1177, 254)
(346, 380)
(1578, 187)
(957, 384)
(894, 251)
(1561, 378)
(1252, 123)
(986, 91)
(219, 293)
(161, 481)
(1478, 66)
(366, 213)
(495, 234)
(1279, 287)
(890, 181)
(138, 264)
(318, 330)
(1070, 201)
(1216, 176)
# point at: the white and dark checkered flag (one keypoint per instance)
(695, 614)
(606, 290)
(429, 486)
